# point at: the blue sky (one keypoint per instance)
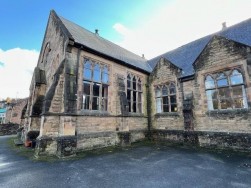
(24, 21)
(149, 27)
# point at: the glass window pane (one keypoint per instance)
(95, 103)
(211, 94)
(105, 78)
(96, 89)
(172, 89)
(105, 70)
(128, 81)
(134, 96)
(237, 91)
(173, 99)
(158, 105)
(128, 94)
(164, 91)
(239, 103)
(86, 88)
(224, 93)
(134, 83)
(87, 73)
(209, 82)
(173, 108)
(165, 100)
(165, 108)
(86, 101)
(104, 91)
(222, 80)
(157, 92)
(129, 106)
(96, 73)
(134, 107)
(225, 104)
(215, 104)
(236, 77)
(87, 64)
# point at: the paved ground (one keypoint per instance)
(142, 166)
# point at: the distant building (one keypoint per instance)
(87, 92)
(2, 115)
(16, 111)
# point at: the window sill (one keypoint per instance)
(93, 113)
(170, 114)
(228, 112)
(130, 114)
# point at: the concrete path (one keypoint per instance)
(137, 167)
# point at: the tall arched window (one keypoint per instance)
(95, 85)
(134, 94)
(165, 97)
(46, 53)
(225, 90)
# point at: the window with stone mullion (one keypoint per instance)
(226, 91)
(134, 94)
(95, 86)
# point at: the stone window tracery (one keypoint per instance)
(95, 85)
(134, 93)
(225, 90)
(165, 98)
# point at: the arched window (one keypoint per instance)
(158, 100)
(46, 53)
(165, 97)
(95, 85)
(134, 94)
(228, 93)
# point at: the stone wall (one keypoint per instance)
(209, 139)
(219, 55)
(165, 73)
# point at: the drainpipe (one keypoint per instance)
(149, 108)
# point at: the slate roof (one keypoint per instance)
(101, 45)
(184, 56)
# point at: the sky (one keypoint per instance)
(149, 27)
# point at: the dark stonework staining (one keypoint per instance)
(88, 93)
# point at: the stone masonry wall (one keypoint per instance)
(163, 73)
(220, 54)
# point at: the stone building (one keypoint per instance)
(87, 92)
(16, 110)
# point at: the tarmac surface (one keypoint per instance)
(141, 166)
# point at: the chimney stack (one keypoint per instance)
(224, 25)
(96, 31)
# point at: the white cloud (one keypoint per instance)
(180, 22)
(16, 74)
